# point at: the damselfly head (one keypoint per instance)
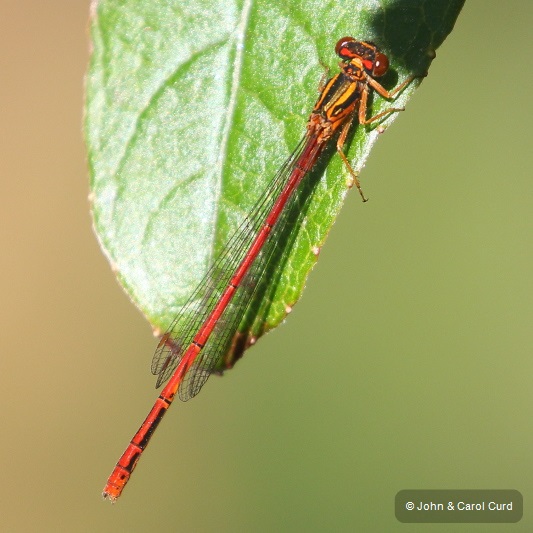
(373, 61)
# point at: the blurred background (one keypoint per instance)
(407, 364)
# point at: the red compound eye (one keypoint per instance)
(342, 48)
(381, 64)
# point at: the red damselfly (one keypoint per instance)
(204, 330)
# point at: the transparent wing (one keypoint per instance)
(185, 326)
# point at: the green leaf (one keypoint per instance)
(192, 106)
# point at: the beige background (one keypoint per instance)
(406, 365)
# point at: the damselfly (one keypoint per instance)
(205, 328)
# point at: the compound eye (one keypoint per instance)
(342, 48)
(381, 64)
